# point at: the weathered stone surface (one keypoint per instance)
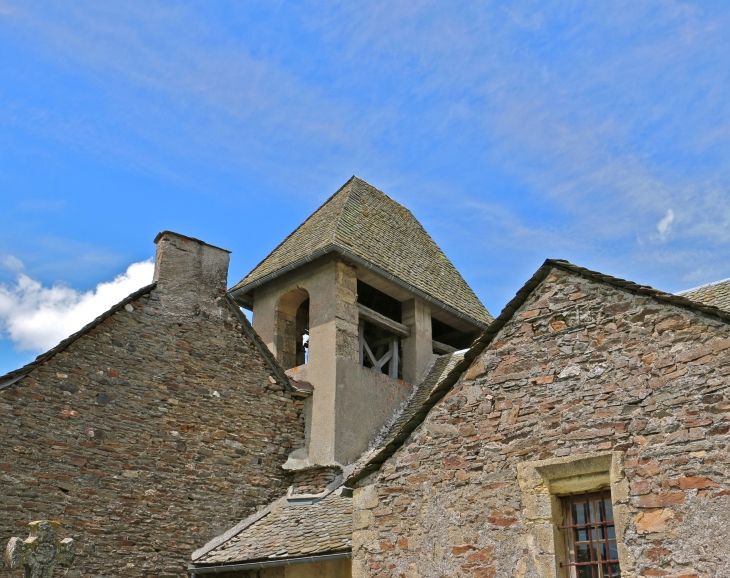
(630, 375)
(189, 439)
(653, 521)
(41, 552)
(314, 480)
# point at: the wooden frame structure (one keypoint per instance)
(390, 354)
(386, 349)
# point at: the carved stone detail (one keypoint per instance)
(41, 551)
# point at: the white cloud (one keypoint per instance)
(12, 262)
(665, 225)
(36, 318)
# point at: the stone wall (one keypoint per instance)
(582, 369)
(314, 480)
(146, 437)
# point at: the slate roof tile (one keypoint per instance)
(716, 294)
(289, 531)
(368, 224)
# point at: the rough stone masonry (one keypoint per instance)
(582, 369)
(157, 428)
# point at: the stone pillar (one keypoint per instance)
(346, 315)
(333, 334)
(418, 348)
(191, 275)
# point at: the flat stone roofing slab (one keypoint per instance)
(364, 222)
(284, 530)
(716, 294)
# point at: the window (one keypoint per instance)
(590, 536)
(577, 508)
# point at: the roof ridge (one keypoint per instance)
(401, 205)
(336, 229)
(277, 533)
(481, 343)
(423, 230)
(711, 284)
(385, 236)
(213, 543)
(675, 299)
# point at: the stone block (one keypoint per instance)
(365, 498)
(362, 519)
(538, 507)
(653, 521)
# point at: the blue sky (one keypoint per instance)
(598, 132)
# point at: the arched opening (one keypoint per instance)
(292, 328)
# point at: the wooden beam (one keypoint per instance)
(382, 321)
(373, 361)
(394, 358)
(442, 348)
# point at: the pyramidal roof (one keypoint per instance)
(369, 227)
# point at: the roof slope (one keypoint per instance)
(458, 365)
(361, 221)
(716, 294)
(10, 378)
(16, 375)
(287, 531)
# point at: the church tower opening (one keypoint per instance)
(292, 328)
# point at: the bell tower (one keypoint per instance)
(357, 302)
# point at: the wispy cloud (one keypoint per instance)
(600, 115)
(35, 318)
(180, 88)
(607, 113)
(665, 225)
(11, 262)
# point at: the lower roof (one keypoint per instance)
(285, 530)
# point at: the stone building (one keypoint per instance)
(151, 430)
(590, 421)
(378, 302)
(375, 420)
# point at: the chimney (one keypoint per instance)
(191, 275)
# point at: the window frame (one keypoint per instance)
(570, 528)
(543, 484)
